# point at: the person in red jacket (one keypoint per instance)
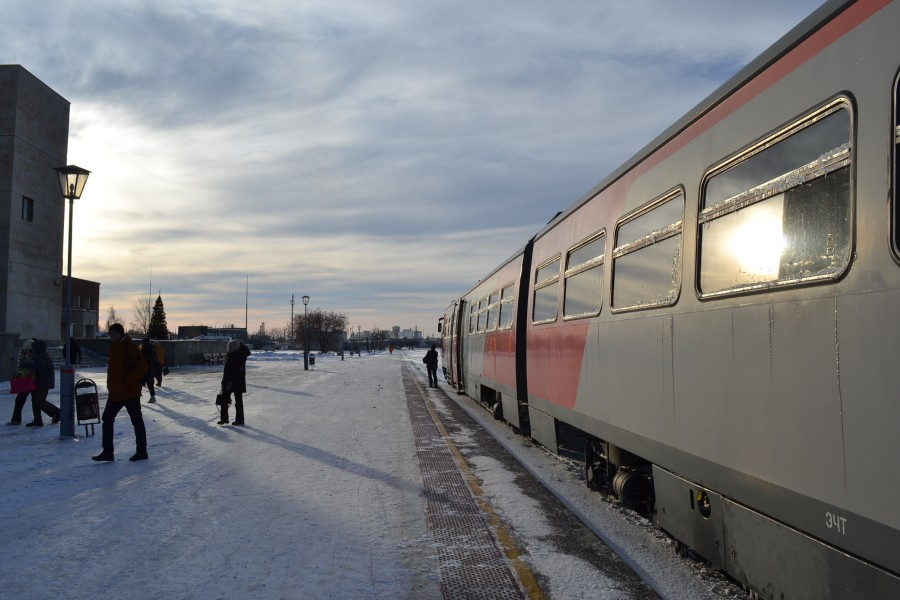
(125, 376)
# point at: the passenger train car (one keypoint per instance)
(720, 319)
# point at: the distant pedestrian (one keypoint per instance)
(161, 367)
(45, 379)
(431, 363)
(76, 353)
(124, 378)
(149, 353)
(234, 381)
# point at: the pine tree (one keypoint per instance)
(158, 329)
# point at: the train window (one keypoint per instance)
(781, 214)
(647, 255)
(507, 295)
(895, 209)
(473, 318)
(493, 311)
(584, 279)
(482, 315)
(546, 292)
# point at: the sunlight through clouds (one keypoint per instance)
(381, 157)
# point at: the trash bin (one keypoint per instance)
(87, 404)
(312, 360)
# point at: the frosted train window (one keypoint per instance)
(584, 279)
(780, 215)
(493, 311)
(647, 255)
(546, 292)
(507, 295)
(482, 314)
(473, 318)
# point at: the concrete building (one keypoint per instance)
(85, 308)
(34, 132)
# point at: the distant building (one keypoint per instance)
(34, 133)
(85, 308)
(408, 334)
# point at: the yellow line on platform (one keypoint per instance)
(526, 576)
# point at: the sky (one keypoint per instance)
(378, 156)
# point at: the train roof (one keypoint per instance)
(811, 24)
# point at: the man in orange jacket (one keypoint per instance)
(124, 378)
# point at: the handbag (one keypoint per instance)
(222, 399)
(165, 370)
(22, 383)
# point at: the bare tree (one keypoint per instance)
(111, 317)
(143, 311)
(323, 330)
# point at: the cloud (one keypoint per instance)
(379, 156)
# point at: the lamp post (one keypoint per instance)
(292, 321)
(305, 336)
(71, 184)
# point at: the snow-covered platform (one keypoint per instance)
(351, 480)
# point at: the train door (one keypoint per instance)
(458, 331)
(450, 344)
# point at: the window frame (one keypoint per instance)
(27, 209)
(648, 240)
(843, 156)
(895, 171)
(544, 283)
(507, 302)
(598, 262)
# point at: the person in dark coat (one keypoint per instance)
(234, 381)
(149, 353)
(45, 379)
(431, 363)
(76, 353)
(126, 371)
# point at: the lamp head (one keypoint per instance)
(72, 180)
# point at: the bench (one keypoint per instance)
(213, 358)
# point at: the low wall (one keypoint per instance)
(178, 352)
(9, 355)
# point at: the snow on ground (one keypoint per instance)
(318, 496)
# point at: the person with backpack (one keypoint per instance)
(125, 376)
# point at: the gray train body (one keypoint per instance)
(721, 318)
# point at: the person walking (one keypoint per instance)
(149, 353)
(25, 356)
(45, 379)
(161, 366)
(125, 376)
(431, 363)
(234, 381)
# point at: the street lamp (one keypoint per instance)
(305, 336)
(292, 321)
(71, 184)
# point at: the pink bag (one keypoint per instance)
(21, 384)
